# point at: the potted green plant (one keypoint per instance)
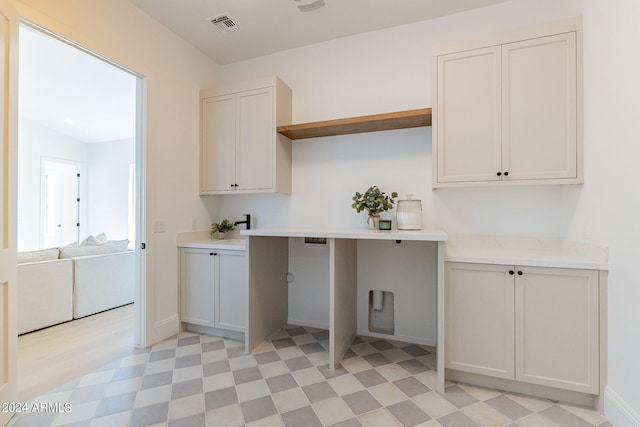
(374, 202)
(222, 228)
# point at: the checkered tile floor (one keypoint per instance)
(197, 380)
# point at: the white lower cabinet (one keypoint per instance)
(231, 295)
(213, 288)
(480, 319)
(530, 324)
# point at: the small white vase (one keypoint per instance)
(221, 235)
(373, 221)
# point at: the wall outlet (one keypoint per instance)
(159, 226)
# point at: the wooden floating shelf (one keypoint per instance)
(373, 123)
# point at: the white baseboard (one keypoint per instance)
(367, 333)
(309, 324)
(413, 340)
(164, 329)
(618, 411)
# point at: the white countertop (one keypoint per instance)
(429, 235)
(559, 253)
(226, 244)
(202, 240)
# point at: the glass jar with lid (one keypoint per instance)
(409, 214)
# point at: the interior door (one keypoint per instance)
(61, 204)
(8, 204)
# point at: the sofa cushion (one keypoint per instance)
(36, 256)
(92, 240)
(106, 248)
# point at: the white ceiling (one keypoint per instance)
(60, 83)
(267, 26)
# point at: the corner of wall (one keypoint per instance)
(164, 329)
(618, 411)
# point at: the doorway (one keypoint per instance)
(81, 154)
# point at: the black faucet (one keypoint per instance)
(247, 221)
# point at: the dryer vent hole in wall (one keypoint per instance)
(381, 312)
(315, 241)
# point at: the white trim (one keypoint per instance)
(166, 328)
(141, 321)
(316, 325)
(618, 411)
(404, 338)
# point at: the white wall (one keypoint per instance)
(174, 73)
(108, 180)
(309, 265)
(410, 273)
(391, 70)
(379, 72)
(35, 143)
(385, 71)
(609, 203)
(104, 186)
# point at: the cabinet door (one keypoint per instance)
(255, 142)
(557, 328)
(468, 116)
(539, 101)
(479, 302)
(231, 310)
(217, 144)
(197, 284)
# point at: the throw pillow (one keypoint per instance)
(106, 248)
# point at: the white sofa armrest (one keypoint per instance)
(44, 294)
(103, 282)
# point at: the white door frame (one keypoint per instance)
(8, 206)
(140, 309)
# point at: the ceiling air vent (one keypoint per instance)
(223, 23)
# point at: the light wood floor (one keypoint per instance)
(54, 356)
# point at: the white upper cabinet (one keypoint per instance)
(539, 124)
(508, 109)
(218, 149)
(240, 151)
(468, 120)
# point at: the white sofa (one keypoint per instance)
(45, 294)
(70, 286)
(102, 282)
